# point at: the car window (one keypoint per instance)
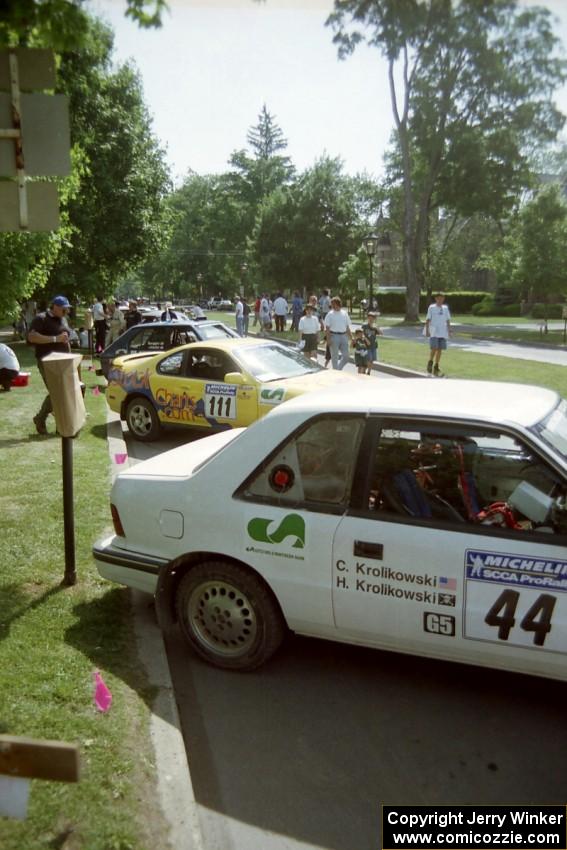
(183, 337)
(275, 362)
(315, 466)
(210, 365)
(151, 339)
(213, 331)
(172, 365)
(487, 478)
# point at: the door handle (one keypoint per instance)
(365, 549)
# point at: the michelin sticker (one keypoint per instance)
(280, 535)
(220, 401)
(516, 600)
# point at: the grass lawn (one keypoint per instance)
(462, 364)
(53, 638)
(466, 364)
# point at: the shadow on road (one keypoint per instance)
(309, 746)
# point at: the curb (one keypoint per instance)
(175, 787)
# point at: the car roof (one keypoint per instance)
(488, 401)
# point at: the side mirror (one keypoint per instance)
(235, 378)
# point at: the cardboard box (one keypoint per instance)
(62, 377)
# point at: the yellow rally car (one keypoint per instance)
(215, 386)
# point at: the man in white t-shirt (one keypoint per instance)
(239, 314)
(438, 329)
(309, 326)
(338, 332)
(9, 367)
(280, 312)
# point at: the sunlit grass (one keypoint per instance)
(53, 638)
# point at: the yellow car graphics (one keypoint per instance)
(215, 385)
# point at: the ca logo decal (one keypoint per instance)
(291, 525)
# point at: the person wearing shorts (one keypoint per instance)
(438, 329)
(371, 332)
(309, 326)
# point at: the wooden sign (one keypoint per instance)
(33, 759)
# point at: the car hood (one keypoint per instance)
(308, 383)
(182, 461)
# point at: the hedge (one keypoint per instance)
(458, 302)
(554, 311)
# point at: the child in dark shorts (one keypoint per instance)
(360, 346)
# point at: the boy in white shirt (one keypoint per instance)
(438, 329)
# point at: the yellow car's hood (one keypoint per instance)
(275, 392)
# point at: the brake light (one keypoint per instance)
(116, 521)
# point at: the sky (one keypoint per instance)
(214, 63)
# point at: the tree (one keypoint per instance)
(117, 217)
(255, 177)
(62, 24)
(207, 246)
(470, 87)
(543, 245)
(304, 232)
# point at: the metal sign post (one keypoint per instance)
(34, 140)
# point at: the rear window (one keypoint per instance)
(213, 331)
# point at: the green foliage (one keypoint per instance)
(303, 232)
(393, 303)
(543, 232)
(63, 24)
(471, 87)
(117, 218)
(547, 311)
(489, 306)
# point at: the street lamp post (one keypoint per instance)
(377, 244)
(370, 243)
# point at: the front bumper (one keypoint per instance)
(134, 569)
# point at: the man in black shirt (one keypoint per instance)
(133, 315)
(48, 333)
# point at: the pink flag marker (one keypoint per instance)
(120, 457)
(102, 696)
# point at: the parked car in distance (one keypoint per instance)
(220, 304)
(422, 517)
(161, 336)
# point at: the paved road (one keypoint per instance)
(300, 754)
(486, 346)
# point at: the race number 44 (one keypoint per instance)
(526, 618)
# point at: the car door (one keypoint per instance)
(292, 505)
(190, 389)
(427, 562)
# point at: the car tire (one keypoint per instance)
(142, 420)
(229, 616)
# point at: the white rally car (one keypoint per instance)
(422, 517)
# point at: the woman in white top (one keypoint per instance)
(309, 332)
(339, 334)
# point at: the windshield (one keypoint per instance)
(212, 331)
(553, 429)
(275, 362)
